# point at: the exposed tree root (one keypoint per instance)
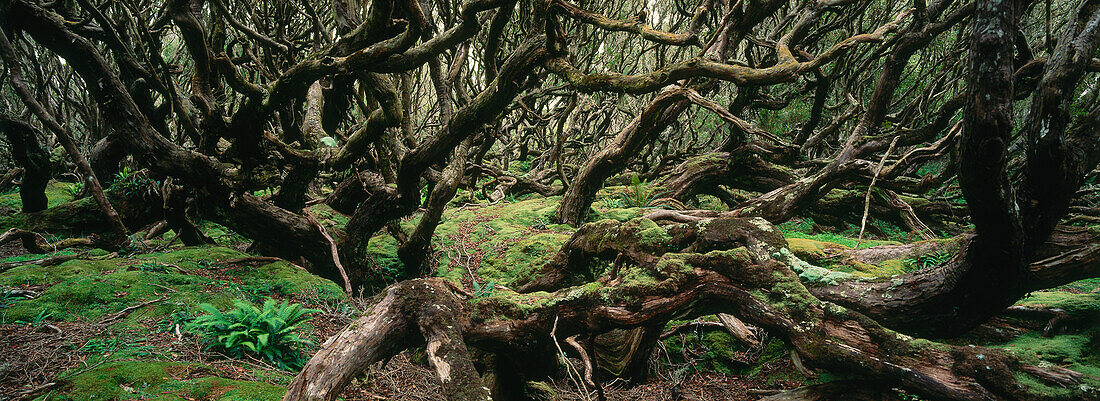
(728, 265)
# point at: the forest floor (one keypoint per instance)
(109, 326)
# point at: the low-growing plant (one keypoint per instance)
(928, 260)
(7, 298)
(75, 189)
(39, 319)
(178, 318)
(108, 345)
(133, 182)
(640, 194)
(270, 332)
(209, 265)
(483, 290)
(151, 267)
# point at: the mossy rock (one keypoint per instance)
(125, 380)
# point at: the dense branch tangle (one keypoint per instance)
(397, 105)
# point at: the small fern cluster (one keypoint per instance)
(75, 189)
(269, 332)
(928, 260)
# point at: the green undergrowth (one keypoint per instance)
(90, 290)
(829, 255)
(152, 380)
(807, 229)
(840, 239)
(60, 203)
(128, 357)
(696, 349)
(1083, 304)
(1076, 346)
(56, 194)
(501, 242)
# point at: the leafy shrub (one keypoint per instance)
(134, 182)
(8, 298)
(269, 332)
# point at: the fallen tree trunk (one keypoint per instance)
(137, 208)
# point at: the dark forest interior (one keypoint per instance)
(549, 200)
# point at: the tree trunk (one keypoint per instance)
(612, 159)
(35, 160)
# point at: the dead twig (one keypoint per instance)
(572, 341)
(122, 313)
(867, 199)
(335, 250)
(570, 370)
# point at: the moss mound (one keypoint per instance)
(130, 380)
(812, 250)
(89, 290)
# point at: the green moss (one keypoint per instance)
(286, 279)
(329, 217)
(649, 234)
(221, 235)
(808, 273)
(885, 268)
(701, 161)
(812, 250)
(522, 258)
(31, 256)
(618, 213)
(1082, 286)
(1060, 349)
(89, 290)
(516, 304)
(55, 195)
(790, 296)
(1069, 302)
(162, 381)
(839, 239)
(540, 391)
(710, 202)
(713, 350)
(1042, 389)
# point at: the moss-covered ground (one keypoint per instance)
(485, 247)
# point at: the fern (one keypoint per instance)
(74, 189)
(928, 260)
(269, 332)
(640, 194)
(483, 290)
